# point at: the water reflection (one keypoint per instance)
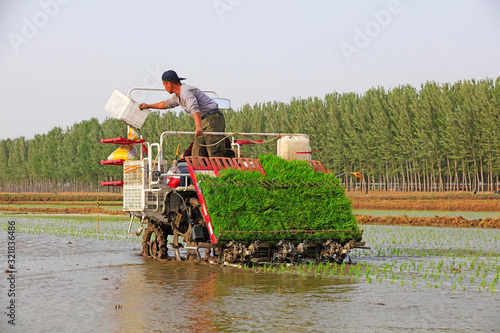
(191, 297)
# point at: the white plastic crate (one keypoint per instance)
(133, 198)
(137, 173)
(127, 110)
(152, 199)
(133, 173)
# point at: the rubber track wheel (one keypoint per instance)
(145, 240)
(161, 250)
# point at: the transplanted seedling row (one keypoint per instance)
(110, 228)
(457, 264)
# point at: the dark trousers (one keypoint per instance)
(214, 122)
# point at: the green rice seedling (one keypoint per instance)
(495, 279)
(454, 248)
(311, 266)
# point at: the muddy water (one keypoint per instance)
(81, 285)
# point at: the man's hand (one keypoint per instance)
(143, 106)
(197, 121)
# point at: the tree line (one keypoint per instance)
(441, 137)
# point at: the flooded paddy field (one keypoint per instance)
(413, 279)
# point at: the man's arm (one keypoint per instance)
(197, 121)
(190, 102)
(160, 105)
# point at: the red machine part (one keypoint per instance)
(201, 163)
(118, 183)
(318, 166)
(220, 163)
(247, 142)
(306, 152)
(248, 164)
(122, 141)
(112, 162)
(196, 163)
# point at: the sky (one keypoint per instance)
(61, 60)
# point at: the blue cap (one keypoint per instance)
(171, 76)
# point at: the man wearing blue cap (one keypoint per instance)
(204, 110)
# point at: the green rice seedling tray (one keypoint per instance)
(291, 201)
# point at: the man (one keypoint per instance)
(204, 110)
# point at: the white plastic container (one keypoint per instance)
(294, 147)
(127, 110)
